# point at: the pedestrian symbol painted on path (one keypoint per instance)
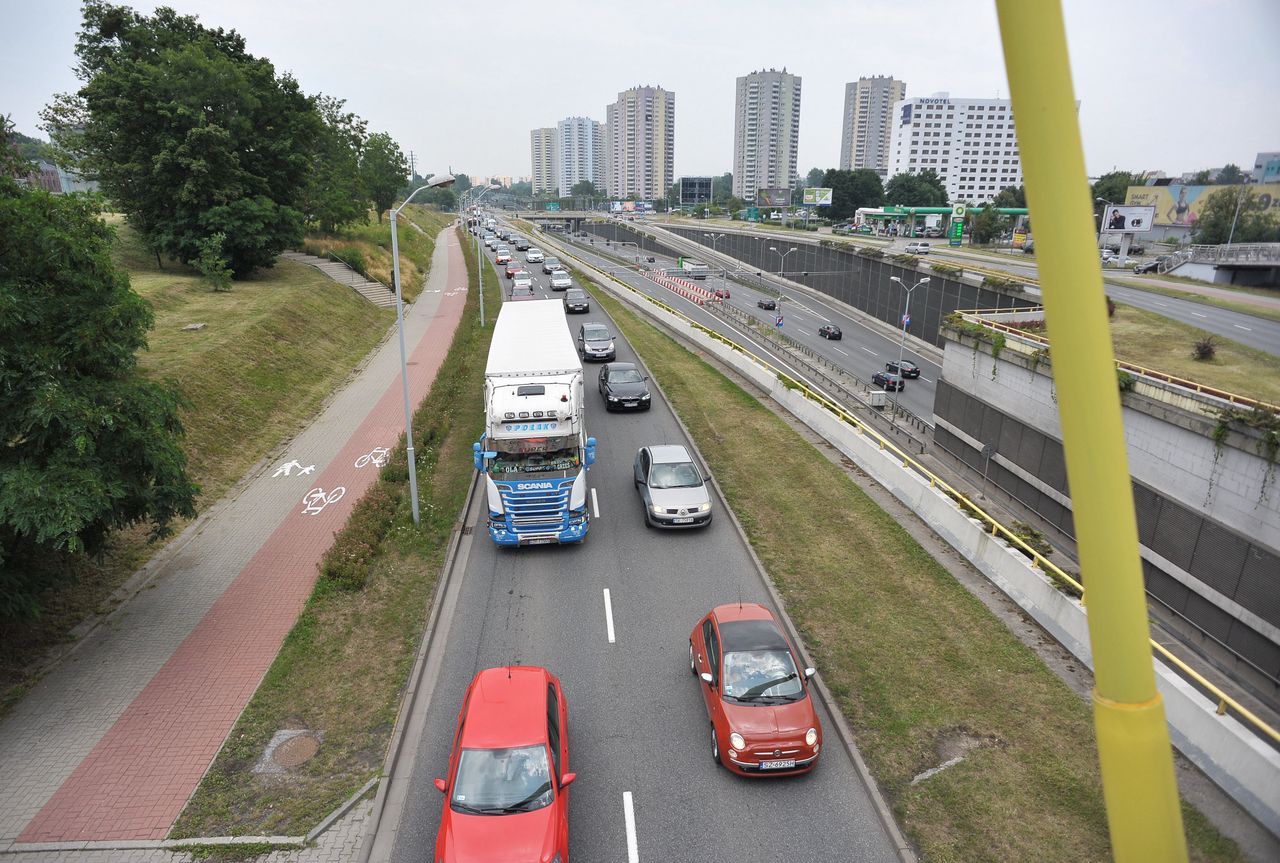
(377, 457)
(317, 499)
(287, 469)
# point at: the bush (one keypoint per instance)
(1204, 349)
(353, 257)
(1031, 537)
(947, 270)
(1111, 308)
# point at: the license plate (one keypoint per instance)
(538, 542)
(628, 404)
(682, 521)
(780, 764)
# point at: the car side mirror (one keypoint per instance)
(810, 672)
(441, 786)
(707, 678)
(566, 779)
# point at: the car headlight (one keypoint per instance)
(704, 507)
(736, 741)
(657, 510)
(811, 736)
(613, 398)
(644, 398)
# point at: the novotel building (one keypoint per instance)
(970, 143)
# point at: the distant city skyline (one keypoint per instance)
(435, 85)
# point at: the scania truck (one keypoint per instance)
(534, 454)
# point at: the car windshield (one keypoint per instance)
(502, 781)
(674, 475)
(627, 376)
(761, 675)
(595, 334)
(576, 295)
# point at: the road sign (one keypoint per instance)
(906, 321)
(553, 206)
(778, 322)
(957, 212)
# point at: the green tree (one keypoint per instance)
(814, 178)
(851, 190)
(383, 169)
(1112, 187)
(31, 149)
(90, 444)
(1200, 178)
(986, 225)
(583, 188)
(1011, 196)
(187, 133)
(461, 182)
(916, 190)
(1230, 175)
(334, 195)
(1253, 224)
(723, 189)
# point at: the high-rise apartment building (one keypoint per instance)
(545, 155)
(766, 133)
(640, 143)
(868, 122)
(970, 143)
(580, 145)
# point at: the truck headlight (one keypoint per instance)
(736, 741)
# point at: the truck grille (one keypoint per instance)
(537, 510)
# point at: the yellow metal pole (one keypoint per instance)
(1138, 782)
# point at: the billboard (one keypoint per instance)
(1127, 220)
(817, 197)
(773, 198)
(631, 206)
(1181, 205)
(695, 190)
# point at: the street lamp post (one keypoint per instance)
(436, 181)
(714, 238)
(906, 309)
(479, 266)
(782, 263)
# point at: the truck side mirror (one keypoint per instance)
(591, 451)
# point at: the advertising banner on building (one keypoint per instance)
(773, 198)
(1127, 220)
(817, 197)
(1181, 205)
(615, 206)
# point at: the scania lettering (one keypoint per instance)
(534, 454)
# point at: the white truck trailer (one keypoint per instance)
(534, 454)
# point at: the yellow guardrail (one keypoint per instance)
(1225, 702)
(976, 316)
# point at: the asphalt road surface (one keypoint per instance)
(636, 717)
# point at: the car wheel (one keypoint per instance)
(693, 668)
(715, 746)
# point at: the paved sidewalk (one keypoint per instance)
(113, 741)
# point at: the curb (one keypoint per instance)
(906, 853)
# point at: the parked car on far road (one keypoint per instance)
(917, 248)
(888, 381)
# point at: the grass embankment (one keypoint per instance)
(273, 348)
(367, 247)
(921, 669)
(342, 668)
(1241, 305)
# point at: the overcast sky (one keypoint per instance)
(1174, 85)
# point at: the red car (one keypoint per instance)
(513, 268)
(762, 716)
(721, 293)
(506, 794)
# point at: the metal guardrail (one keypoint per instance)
(976, 317)
(1236, 253)
(1225, 703)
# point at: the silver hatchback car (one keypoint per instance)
(673, 490)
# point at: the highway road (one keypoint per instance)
(637, 721)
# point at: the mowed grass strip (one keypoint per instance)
(367, 247)
(273, 347)
(919, 666)
(342, 668)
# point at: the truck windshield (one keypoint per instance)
(534, 456)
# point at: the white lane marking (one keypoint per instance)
(837, 350)
(608, 614)
(868, 350)
(1163, 305)
(595, 505)
(633, 853)
(926, 380)
(1198, 315)
(1238, 327)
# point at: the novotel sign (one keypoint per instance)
(935, 101)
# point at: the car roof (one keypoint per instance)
(669, 453)
(748, 626)
(576, 292)
(507, 707)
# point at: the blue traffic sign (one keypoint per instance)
(906, 321)
(778, 322)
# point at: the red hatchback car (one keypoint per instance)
(762, 717)
(506, 794)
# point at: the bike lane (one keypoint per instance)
(140, 773)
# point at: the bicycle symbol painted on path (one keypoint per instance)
(378, 456)
(317, 499)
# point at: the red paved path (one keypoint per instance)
(136, 780)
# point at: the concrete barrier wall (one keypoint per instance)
(1221, 746)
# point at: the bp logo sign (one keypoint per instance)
(957, 212)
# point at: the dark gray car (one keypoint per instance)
(673, 490)
(576, 300)
(624, 388)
